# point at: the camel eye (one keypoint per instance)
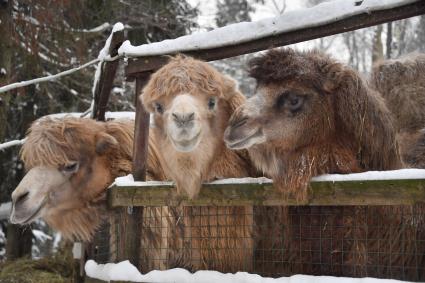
(295, 102)
(158, 108)
(211, 103)
(71, 167)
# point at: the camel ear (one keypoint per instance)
(104, 143)
(232, 94)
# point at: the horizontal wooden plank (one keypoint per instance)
(367, 19)
(376, 192)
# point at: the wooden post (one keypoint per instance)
(141, 132)
(130, 218)
(106, 80)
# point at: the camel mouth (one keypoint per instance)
(246, 142)
(31, 218)
(187, 145)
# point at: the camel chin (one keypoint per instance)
(186, 145)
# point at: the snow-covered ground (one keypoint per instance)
(401, 174)
(125, 271)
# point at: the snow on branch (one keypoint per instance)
(48, 78)
(321, 14)
(11, 143)
(103, 56)
(125, 271)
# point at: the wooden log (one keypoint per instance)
(355, 22)
(376, 192)
(106, 80)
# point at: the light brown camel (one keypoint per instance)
(312, 115)
(402, 84)
(192, 103)
(71, 162)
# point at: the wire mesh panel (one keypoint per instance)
(357, 241)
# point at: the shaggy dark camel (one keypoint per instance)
(312, 115)
(402, 84)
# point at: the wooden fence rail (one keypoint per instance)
(370, 192)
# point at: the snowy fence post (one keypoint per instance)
(106, 80)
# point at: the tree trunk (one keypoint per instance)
(377, 48)
(389, 39)
(19, 241)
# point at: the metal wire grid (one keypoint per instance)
(377, 241)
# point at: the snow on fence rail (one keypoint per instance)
(321, 14)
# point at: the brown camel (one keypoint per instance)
(312, 115)
(71, 162)
(402, 84)
(192, 103)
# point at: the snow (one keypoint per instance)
(321, 14)
(125, 271)
(47, 78)
(129, 181)
(103, 54)
(5, 209)
(41, 236)
(11, 143)
(401, 174)
(108, 115)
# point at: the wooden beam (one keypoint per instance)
(355, 22)
(379, 192)
(107, 76)
(141, 132)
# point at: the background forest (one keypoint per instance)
(45, 37)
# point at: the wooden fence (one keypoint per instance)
(392, 192)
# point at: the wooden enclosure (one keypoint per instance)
(128, 202)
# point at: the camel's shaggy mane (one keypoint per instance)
(186, 75)
(57, 141)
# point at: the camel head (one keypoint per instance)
(69, 167)
(191, 103)
(312, 115)
(290, 109)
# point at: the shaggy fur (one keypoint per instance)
(209, 161)
(402, 84)
(348, 129)
(54, 142)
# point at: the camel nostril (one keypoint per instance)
(191, 116)
(22, 198)
(175, 117)
(239, 123)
